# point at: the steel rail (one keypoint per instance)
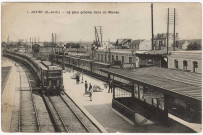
(66, 129)
(75, 113)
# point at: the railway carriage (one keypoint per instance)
(85, 64)
(96, 68)
(47, 76)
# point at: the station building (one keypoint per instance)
(190, 61)
(129, 58)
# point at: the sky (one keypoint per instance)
(133, 21)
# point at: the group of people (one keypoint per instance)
(90, 91)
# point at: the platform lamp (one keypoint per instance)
(82, 73)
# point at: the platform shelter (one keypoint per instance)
(154, 92)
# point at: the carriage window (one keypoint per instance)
(195, 66)
(185, 65)
(176, 63)
(130, 59)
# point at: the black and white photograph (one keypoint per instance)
(101, 67)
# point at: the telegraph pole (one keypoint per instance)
(101, 33)
(32, 44)
(152, 26)
(174, 30)
(167, 30)
(55, 38)
(52, 42)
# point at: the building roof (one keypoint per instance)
(186, 84)
(162, 51)
(40, 64)
(122, 41)
(46, 63)
(122, 51)
(186, 52)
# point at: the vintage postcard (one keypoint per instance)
(101, 67)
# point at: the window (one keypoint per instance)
(160, 43)
(112, 58)
(105, 58)
(195, 66)
(102, 57)
(149, 61)
(109, 58)
(116, 57)
(185, 65)
(130, 59)
(122, 59)
(176, 63)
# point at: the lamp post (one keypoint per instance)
(109, 56)
(63, 58)
(82, 73)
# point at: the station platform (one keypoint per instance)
(8, 95)
(101, 109)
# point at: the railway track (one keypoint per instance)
(67, 116)
(53, 112)
(28, 117)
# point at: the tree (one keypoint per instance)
(194, 46)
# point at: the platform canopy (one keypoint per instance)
(182, 83)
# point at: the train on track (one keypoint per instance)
(48, 76)
(87, 65)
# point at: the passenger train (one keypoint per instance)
(48, 76)
(86, 65)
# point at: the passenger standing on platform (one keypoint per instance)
(90, 91)
(110, 86)
(77, 79)
(86, 86)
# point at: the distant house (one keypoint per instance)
(185, 44)
(160, 41)
(123, 43)
(135, 44)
